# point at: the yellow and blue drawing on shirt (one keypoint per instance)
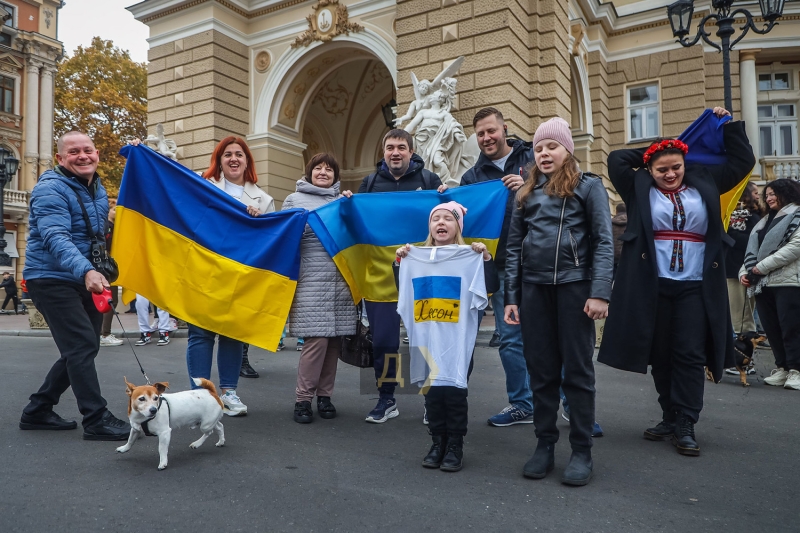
(437, 298)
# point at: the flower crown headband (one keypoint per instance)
(665, 145)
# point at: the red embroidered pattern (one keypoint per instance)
(663, 145)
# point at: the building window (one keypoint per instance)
(7, 94)
(777, 129)
(774, 81)
(643, 112)
(10, 10)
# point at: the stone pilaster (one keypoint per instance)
(46, 118)
(198, 89)
(749, 91)
(31, 117)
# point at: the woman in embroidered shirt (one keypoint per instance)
(669, 305)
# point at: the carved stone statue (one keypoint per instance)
(161, 144)
(438, 138)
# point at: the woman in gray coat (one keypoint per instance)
(323, 309)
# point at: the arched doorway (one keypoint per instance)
(326, 97)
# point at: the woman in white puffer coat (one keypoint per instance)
(771, 270)
(323, 309)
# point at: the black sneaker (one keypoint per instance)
(163, 338)
(143, 339)
(303, 413)
(325, 408)
(494, 342)
(47, 420)
(109, 428)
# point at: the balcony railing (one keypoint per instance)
(13, 198)
(776, 167)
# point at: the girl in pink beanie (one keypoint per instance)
(558, 281)
(443, 324)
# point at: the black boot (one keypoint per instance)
(325, 408)
(303, 413)
(663, 430)
(542, 462)
(247, 371)
(683, 437)
(579, 469)
(454, 458)
(436, 453)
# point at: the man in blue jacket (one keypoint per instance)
(60, 281)
(399, 170)
(508, 160)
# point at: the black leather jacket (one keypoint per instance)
(554, 240)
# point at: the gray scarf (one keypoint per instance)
(775, 238)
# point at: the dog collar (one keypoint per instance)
(161, 400)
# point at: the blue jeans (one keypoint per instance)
(200, 353)
(518, 382)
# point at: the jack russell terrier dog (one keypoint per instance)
(152, 412)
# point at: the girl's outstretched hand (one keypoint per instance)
(480, 248)
(596, 308)
(403, 251)
(511, 315)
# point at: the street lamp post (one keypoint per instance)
(680, 17)
(8, 167)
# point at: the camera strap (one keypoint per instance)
(86, 220)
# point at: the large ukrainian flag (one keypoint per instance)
(363, 233)
(193, 250)
(706, 147)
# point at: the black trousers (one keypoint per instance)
(447, 411)
(678, 357)
(557, 333)
(75, 324)
(13, 298)
(384, 324)
(779, 311)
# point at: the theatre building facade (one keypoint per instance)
(299, 77)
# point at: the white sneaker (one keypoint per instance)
(232, 405)
(109, 340)
(777, 378)
(793, 381)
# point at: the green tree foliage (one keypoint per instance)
(101, 91)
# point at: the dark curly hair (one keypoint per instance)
(786, 191)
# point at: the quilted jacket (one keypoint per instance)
(323, 304)
(59, 245)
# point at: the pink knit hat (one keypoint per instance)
(458, 210)
(556, 129)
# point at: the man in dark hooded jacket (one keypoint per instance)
(399, 170)
(509, 160)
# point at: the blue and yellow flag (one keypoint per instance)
(363, 233)
(194, 251)
(437, 298)
(706, 147)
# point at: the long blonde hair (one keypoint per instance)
(562, 182)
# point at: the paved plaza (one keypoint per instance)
(346, 475)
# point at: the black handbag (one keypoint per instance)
(101, 261)
(357, 348)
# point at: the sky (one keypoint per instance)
(81, 20)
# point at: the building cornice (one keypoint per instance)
(151, 10)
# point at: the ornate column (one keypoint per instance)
(749, 92)
(32, 113)
(46, 118)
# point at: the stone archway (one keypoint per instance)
(326, 97)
